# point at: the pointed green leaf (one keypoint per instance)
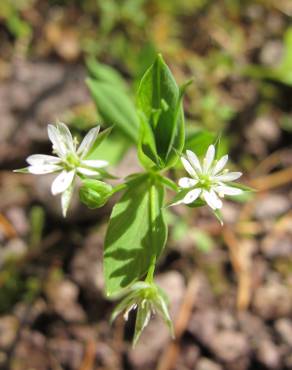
(104, 73)
(159, 101)
(115, 107)
(136, 232)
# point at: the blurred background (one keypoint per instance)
(230, 288)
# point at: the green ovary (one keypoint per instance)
(205, 182)
(71, 161)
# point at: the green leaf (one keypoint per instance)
(287, 57)
(94, 193)
(282, 72)
(113, 149)
(37, 223)
(147, 145)
(162, 122)
(198, 141)
(115, 107)
(104, 73)
(136, 232)
(203, 241)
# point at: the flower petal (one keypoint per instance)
(220, 164)
(212, 199)
(192, 196)
(95, 163)
(186, 182)
(43, 169)
(88, 141)
(194, 160)
(229, 176)
(87, 171)
(41, 159)
(227, 190)
(57, 141)
(188, 167)
(209, 158)
(66, 136)
(62, 182)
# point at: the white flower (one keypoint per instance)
(208, 179)
(69, 161)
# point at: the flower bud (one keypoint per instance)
(94, 193)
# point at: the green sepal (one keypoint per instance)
(181, 194)
(115, 107)
(22, 170)
(219, 216)
(99, 139)
(147, 299)
(241, 186)
(178, 197)
(142, 320)
(66, 197)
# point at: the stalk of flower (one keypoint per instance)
(69, 161)
(208, 180)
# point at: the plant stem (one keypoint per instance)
(150, 273)
(152, 206)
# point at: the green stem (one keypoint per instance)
(150, 273)
(119, 188)
(152, 205)
(168, 182)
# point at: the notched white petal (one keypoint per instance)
(56, 139)
(62, 182)
(191, 196)
(43, 169)
(220, 164)
(88, 141)
(95, 163)
(229, 176)
(212, 199)
(209, 158)
(41, 159)
(188, 167)
(87, 172)
(65, 136)
(228, 190)
(186, 182)
(194, 160)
